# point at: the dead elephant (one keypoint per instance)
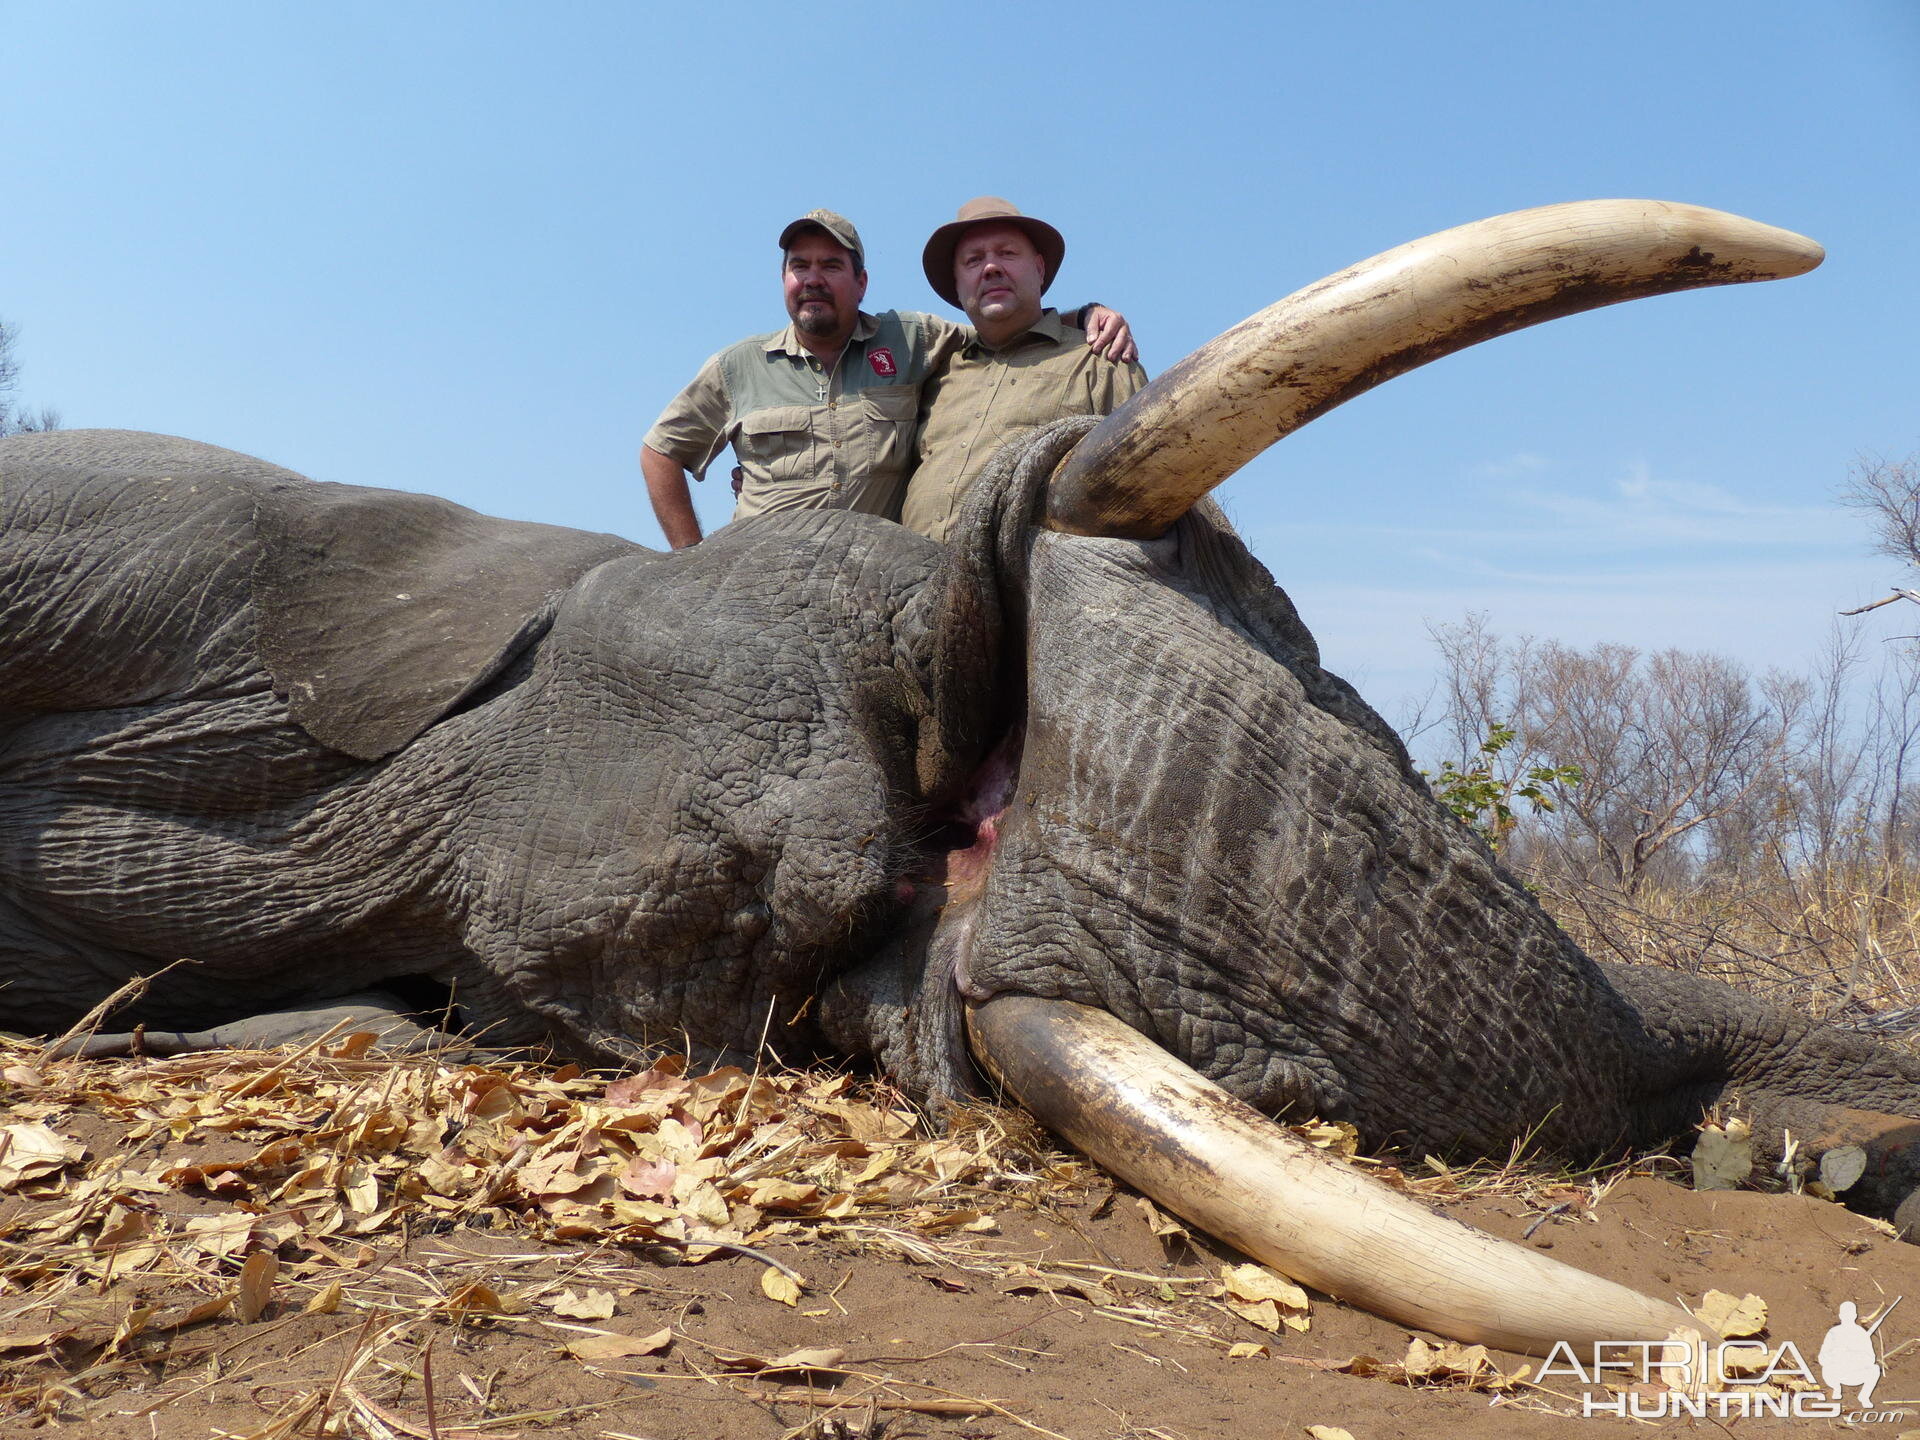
(1074, 797)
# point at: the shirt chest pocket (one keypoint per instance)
(890, 414)
(776, 443)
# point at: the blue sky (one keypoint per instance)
(473, 248)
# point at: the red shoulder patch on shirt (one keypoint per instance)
(882, 361)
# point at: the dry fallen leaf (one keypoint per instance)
(189, 1315)
(594, 1305)
(31, 1151)
(649, 1179)
(609, 1346)
(219, 1235)
(826, 1358)
(1256, 1282)
(778, 1285)
(1264, 1313)
(1246, 1350)
(1164, 1226)
(472, 1299)
(1841, 1166)
(1265, 1298)
(1734, 1319)
(1722, 1157)
(1739, 1360)
(330, 1156)
(132, 1326)
(256, 1284)
(327, 1301)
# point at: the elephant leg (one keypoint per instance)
(384, 1015)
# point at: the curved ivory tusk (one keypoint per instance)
(1148, 462)
(1166, 1130)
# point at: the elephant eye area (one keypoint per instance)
(961, 838)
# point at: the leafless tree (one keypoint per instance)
(14, 417)
(1829, 757)
(1888, 493)
(1482, 684)
(1668, 745)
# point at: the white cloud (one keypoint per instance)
(1641, 510)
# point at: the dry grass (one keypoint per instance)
(1839, 944)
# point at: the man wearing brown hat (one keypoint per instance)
(1024, 367)
(821, 414)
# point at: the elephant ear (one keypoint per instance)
(379, 610)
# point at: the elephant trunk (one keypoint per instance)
(1181, 1139)
(1148, 462)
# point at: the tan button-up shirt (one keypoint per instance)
(986, 397)
(809, 437)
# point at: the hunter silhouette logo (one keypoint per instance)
(1739, 1376)
(1847, 1356)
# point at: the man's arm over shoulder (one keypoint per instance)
(940, 339)
(1108, 333)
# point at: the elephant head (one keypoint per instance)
(1205, 885)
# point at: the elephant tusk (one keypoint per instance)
(1163, 1128)
(1147, 463)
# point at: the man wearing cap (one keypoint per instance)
(821, 414)
(1022, 368)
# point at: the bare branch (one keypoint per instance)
(1913, 595)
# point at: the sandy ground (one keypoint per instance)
(1026, 1298)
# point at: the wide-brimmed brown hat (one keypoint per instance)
(937, 258)
(837, 228)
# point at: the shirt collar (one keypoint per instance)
(1050, 326)
(787, 341)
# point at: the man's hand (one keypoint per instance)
(1109, 335)
(672, 501)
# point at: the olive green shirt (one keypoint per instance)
(986, 397)
(810, 438)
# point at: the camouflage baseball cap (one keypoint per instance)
(838, 227)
